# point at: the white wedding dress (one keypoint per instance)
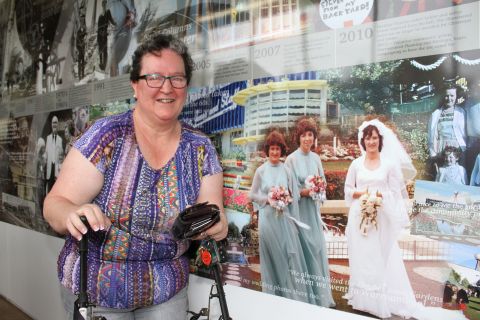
(379, 282)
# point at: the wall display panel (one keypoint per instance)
(258, 64)
(3, 28)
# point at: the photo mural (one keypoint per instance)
(303, 70)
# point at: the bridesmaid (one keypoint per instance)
(303, 163)
(282, 263)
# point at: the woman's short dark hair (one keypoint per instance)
(304, 125)
(450, 85)
(275, 138)
(457, 152)
(367, 132)
(156, 43)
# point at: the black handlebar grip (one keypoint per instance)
(83, 251)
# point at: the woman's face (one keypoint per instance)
(372, 142)
(274, 154)
(450, 97)
(451, 158)
(306, 141)
(67, 134)
(162, 104)
(81, 119)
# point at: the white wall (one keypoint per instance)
(28, 271)
(245, 304)
(28, 279)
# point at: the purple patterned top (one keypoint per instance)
(137, 262)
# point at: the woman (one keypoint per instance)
(68, 135)
(131, 174)
(80, 116)
(447, 125)
(40, 165)
(452, 172)
(379, 282)
(303, 163)
(281, 257)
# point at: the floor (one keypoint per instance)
(10, 312)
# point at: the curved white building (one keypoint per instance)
(280, 104)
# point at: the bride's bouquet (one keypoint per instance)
(316, 186)
(279, 197)
(369, 204)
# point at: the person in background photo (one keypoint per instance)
(451, 172)
(281, 255)
(462, 299)
(472, 112)
(447, 295)
(475, 177)
(41, 167)
(124, 15)
(23, 136)
(80, 120)
(379, 282)
(54, 149)
(130, 175)
(446, 126)
(304, 163)
(104, 20)
(68, 134)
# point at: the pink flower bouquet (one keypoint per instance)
(316, 186)
(279, 197)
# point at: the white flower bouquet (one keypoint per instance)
(369, 204)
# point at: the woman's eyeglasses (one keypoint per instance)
(156, 80)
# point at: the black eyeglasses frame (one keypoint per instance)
(144, 77)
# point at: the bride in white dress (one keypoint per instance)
(379, 282)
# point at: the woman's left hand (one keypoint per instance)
(305, 193)
(218, 231)
(211, 190)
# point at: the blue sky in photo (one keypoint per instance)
(463, 254)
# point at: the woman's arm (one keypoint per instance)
(211, 190)
(77, 185)
(439, 176)
(432, 128)
(256, 195)
(290, 164)
(351, 191)
(463, 174)
(358, 194)
(397, 195)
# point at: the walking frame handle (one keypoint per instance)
(208, 256)
(82, 308)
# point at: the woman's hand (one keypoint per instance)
(211, 190)
(358, 194)
(95, 217)
(217, 232)
(220, 230)
(305, 193)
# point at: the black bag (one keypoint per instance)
(195, 219)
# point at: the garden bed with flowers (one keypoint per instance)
(235, 199)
